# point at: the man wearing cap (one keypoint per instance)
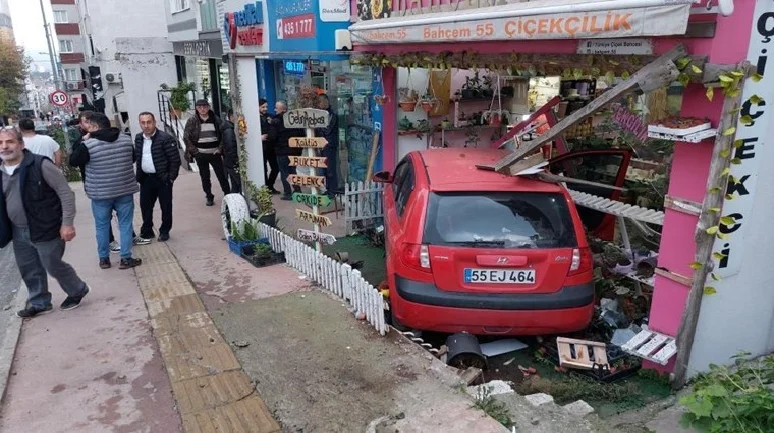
(203, 142)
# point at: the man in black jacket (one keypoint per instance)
(204, 142)
(268, 138)
(158, 164)
(283, 149)
(231, 154)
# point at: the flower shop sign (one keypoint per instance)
(630, 122)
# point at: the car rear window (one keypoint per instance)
(499, 220)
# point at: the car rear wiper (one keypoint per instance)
(480, 243)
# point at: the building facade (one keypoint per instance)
(6, 25)
(113, 55)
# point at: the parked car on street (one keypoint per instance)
(471, 250)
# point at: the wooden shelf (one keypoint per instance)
(412, 132)
(481, 98)
(463, 128)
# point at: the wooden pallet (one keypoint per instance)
(581, 354)
(617, 208)
(654, 347)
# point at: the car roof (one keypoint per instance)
(454, 169)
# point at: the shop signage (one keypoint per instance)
(204, 48)
(306, 118)
(310, 236)
(335, 11)
(310, 217)
(616, 23)
(304, 180)
(294, 67)
(296, 27)
(640, 46)
(378, 9)
(756, 98)
(630, 122)
(244, 27)
(308, 142)
(309, 161)
(311, 199)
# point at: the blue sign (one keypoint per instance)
(234, 23)
(294, 67)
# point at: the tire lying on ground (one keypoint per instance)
(233, 210)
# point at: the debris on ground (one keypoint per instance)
(470, 375)
(579, 408)
(498, 347)
(240, 344)
(495, 387)
(539, 399)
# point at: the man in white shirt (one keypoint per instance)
(42, 145)
(158, 164)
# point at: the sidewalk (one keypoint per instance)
(196, 340)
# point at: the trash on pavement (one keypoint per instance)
(499, 347)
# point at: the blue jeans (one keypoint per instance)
(103, 213)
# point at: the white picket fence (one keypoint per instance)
(362, 202)
(338, 278)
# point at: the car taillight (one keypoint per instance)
(582, 261)
(416, 256)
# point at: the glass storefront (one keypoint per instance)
(349, 90)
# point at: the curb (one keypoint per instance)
(10, 340)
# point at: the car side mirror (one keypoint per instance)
(382, 177)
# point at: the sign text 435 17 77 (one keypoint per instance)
(296, 27)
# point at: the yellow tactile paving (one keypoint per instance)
(213, 394)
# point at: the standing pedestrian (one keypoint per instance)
(283, 149)
(331, 150)
(37, 209)
(158, 164)
(231, 154)
(111, 185)
(38, 144)
(203, 142)
(268, 138)
(78, 155)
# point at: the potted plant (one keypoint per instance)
(405, 125)
(381, 99)
(468, 90)
(428, 102)
(507, 91)
(265, 211)
(408, 100)
(445, 124)
(457, 95)
(178, 98)
(244, 233)
(261, 254)
(487, 89)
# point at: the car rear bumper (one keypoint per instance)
(423, 306)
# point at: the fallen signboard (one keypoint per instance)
(312, 236)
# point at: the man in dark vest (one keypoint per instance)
(158, 164)
(203, 135)
(37, 209)
(111, 185)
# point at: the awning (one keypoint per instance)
(534, 20)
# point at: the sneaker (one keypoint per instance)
(115, 247)
(32, 311)
(104, 263)
(139, 240)
(163, 237)
(210, 201)
(73, 302)
(129, 263)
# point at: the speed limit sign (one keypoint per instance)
(59, 98)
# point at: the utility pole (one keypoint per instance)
(58, 80)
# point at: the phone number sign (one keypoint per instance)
(296, 27)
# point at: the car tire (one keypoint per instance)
(234, 209)
(396, 323)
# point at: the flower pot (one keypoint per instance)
(381, 99)
(507, 91)
(487, 93)
(428, 106)
(468, 94)
(408, 105)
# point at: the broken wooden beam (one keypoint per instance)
(654, 75)
(555, 178)
(682, 205)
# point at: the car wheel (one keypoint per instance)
(233, 210)
(396, 323)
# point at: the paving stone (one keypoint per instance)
(152, 269)
(152, 282)
(579, 408)
(154, 253)
(202, 361)
(175, 306)
(539, 399)
(249, 415)
(211, 392)
(188, 339)
(171, 324)
(168, 291)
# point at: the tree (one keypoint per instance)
(13, 70)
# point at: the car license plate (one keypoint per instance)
(500, 276)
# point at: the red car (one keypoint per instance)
(476, 251)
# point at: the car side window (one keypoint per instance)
(405, 189)
(399, 177)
